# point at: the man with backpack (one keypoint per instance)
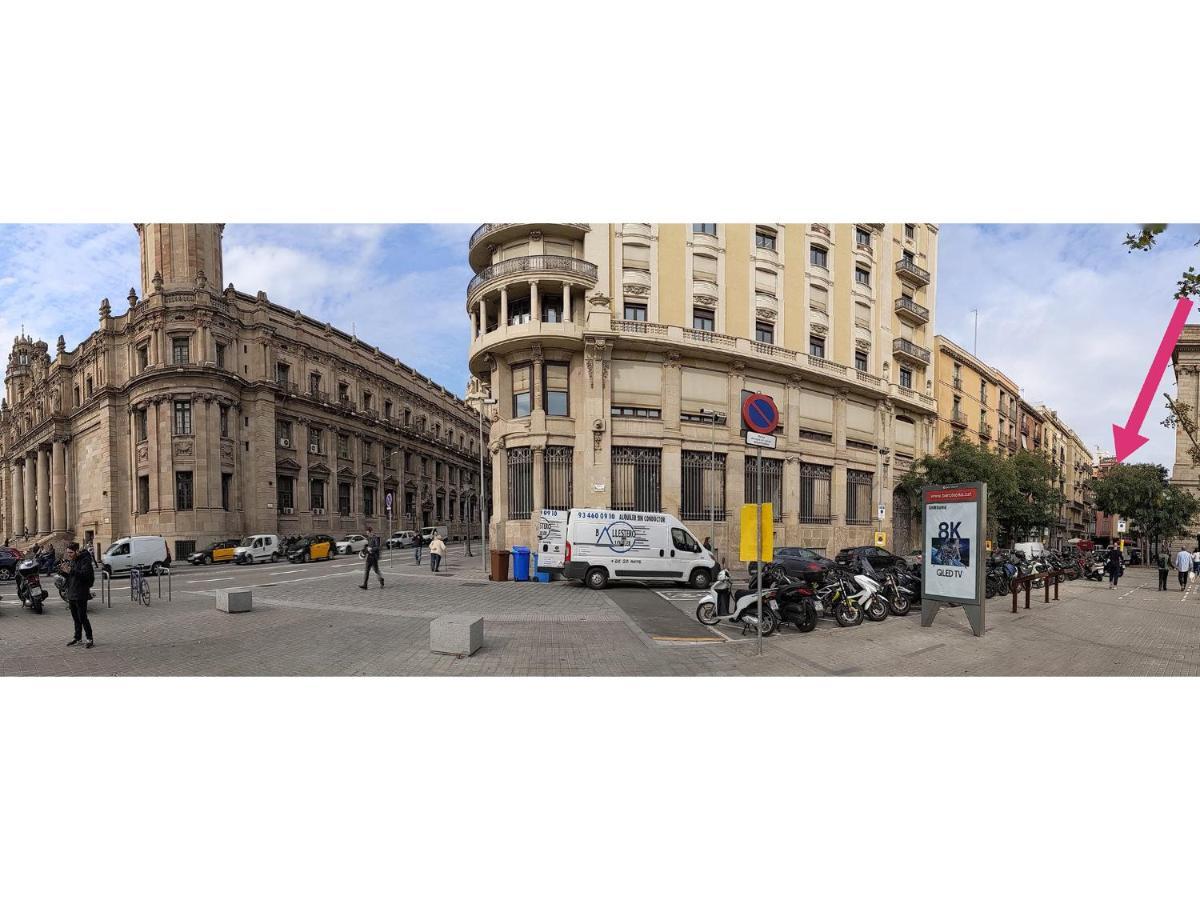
(77, 568)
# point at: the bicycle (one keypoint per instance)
(139, 590)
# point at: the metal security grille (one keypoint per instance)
(557, 466)
(815, 483)
(520, 482)
(858, 497)
(637, 478)
(772, 484)
(184, 549)
(703, 485)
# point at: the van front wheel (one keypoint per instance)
(701, 579)
(597, 579)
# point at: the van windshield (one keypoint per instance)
(118, 548)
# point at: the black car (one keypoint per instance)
(221, 551)
(798, 562)
(8, 562)
(881, 560)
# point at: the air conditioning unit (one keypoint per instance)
(285, 443)
(288, 511)
(318, 512)
(314, 448)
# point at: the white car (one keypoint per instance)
(353, 543)
(400, 539)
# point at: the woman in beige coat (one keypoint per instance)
(437, 548)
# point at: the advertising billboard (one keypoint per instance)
(954, 519)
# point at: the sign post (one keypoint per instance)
(955, 517)
(387, 502)
(761, 417)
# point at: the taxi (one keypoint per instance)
(221, 551)
(313, 547)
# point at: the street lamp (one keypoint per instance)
(482, 401)
(713, 416)
(393, 503)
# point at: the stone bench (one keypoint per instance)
(456, 634)
(234, 600)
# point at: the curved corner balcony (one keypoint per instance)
(527, 268)
(499, 232)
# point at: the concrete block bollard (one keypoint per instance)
(456, 634)
(235, 600)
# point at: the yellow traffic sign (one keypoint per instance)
(748, 549)
(881, 539)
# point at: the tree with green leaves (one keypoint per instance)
(1141, 494)
(1023, 498)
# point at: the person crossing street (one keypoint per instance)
(77, 568)
(1183, 565)
(372, 557)
(437, 549)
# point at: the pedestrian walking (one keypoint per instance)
(418, 546)
(77, 568)
(1183, 565)
(1163, 565)
(371, 553)
(437, 549)
(1114, 565)
(1196, 561)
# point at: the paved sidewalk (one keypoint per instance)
(310, 620)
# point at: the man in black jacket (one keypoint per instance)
(372, 554)
(77, 567)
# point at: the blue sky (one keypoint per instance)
(1064, 310)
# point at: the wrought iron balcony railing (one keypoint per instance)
(566, 265)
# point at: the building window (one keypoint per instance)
(183, 490)
(551, 307)
(909, 258)
(343, 393)
(368, 397)
(520, 483)
(703, 485)
(183, 417)
(410, 503)
(140, 420)
(220, 356)
(635, 412)
(283, 431)
(387, 409)
(910, 232)
(983, 392)
(555, 381)
(862, 276)
(224, 417)
(143, 494)
(408, 418)
(818, 256)
(522, 391)
(558, 474)
(143, 357)
(635, 312)
(860, 360)
(343, 446)
(314, 384)
(858, 497)
(344, 498)
(906, 378)
(314, 440)
(764, 332)
(316, 491)
(764, 239)
(772, 484)
(703, 320)
(637, 478)
(862, 238)
(368, 501)
(283, 373)
(705, 228)
(285, 493)
(179, 351)
(89, 387)
(368, 452)
(815, 483)
(226, 489)
(816, 346)
(76, 395)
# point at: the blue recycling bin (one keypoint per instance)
(520, 563)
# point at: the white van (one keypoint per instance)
(642, 546)
(148, 551)
(1030, 549)
(257, 548)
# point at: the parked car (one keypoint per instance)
(258, 548)
(352, 543)
(8, 562)
(428, 533)
(312, 547)
(881, 560)
(914, 558)
(401, 539)
(798, 562)
(147, 551)
(221, 551)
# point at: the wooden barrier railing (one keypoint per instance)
(1053, 576)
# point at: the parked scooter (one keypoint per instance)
(896, 595)
(797, 600)
(29, 585)
(873, 604)
(745, 607)
(1096, 570)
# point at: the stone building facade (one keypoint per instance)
(202, 413)
(619, 355)
(1186, 364)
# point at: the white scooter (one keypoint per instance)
(870, 598)
(745, 608)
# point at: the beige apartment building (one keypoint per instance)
(1074, 464)
(619, 355)
(974, 399)
(203, 413)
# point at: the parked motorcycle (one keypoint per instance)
(29, 585)
(897, 596)
(745, 607)
(796, 599)
(838, 599)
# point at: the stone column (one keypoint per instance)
(43, 490)
(534, 303)
(58, 508)
(539, 479)
(503, 324)
(69, 486)
(837, 488)
(566, 292)
(478, 311)
(18, 496)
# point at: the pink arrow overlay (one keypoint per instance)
(1127, 440)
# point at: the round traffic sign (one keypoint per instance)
(760, 414)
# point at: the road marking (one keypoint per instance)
(210, 580)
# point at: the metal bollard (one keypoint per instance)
(106, 587)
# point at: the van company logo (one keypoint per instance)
(618, 536)
(543, 530)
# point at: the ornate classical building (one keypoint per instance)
(619, 355)
(203, 413)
